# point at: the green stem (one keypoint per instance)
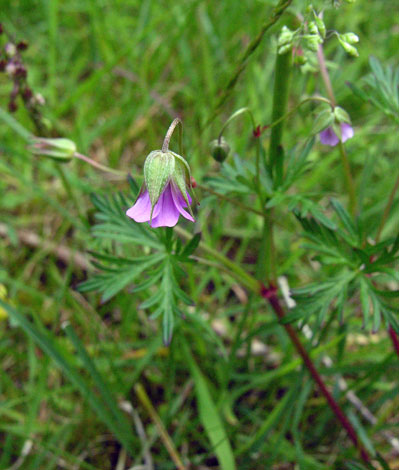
(278, 10)
(266, 266)
(235, 115)
(324, 74)
(99, 166)
(168, 136)
(387, 210)
(349, 179)
(344, 158)
(280, 99)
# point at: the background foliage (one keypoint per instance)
(230, 389)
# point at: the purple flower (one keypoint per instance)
(166, 211)
(329, 137)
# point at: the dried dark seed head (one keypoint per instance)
(22, 46)
(12, 106)
(27, 94)
(21, 71)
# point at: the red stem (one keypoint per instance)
(270, 294)
(394, 338)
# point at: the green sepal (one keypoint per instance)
(188, 177)
(341, 115)
(323, 120)
(158, 169)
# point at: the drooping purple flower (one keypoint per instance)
(164, 193)
(166, 211)
(329, 137)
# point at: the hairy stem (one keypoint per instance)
(349, 179)
(168, 136)
(278, 10)
(99, 166)
(280, 99)
(344, 157)
(325, 75)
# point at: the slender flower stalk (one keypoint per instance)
(344, 158)
(349, 179)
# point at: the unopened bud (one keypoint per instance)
(61, 150)
(220, 149)
(22, 46)
(10, 49)
(350, 38)
(313, 28)
(320, 26)
(285, 37)
(351, 50)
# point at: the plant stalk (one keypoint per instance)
(168, 136)
(349, 179)
(270, 294)
(278, 10)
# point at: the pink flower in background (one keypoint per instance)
(329, 137)
(167, 210)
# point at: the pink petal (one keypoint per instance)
(347, 131)
(167, 213)
(329, 137)
(180, 203)
(141, 211)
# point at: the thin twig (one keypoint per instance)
(169, 445)
(251, 48)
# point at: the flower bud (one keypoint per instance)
(320, 26)
(285, 37)
(348, 48)
(220, 149)
(10, 49)
(61, 150)
(313, 28)
(350, 38)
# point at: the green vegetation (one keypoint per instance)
(126, 347)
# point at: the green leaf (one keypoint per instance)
(191, 246)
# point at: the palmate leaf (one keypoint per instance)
(113, 223)
(116, 277)
(159, 268)
(167, 296)
(382, 89)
